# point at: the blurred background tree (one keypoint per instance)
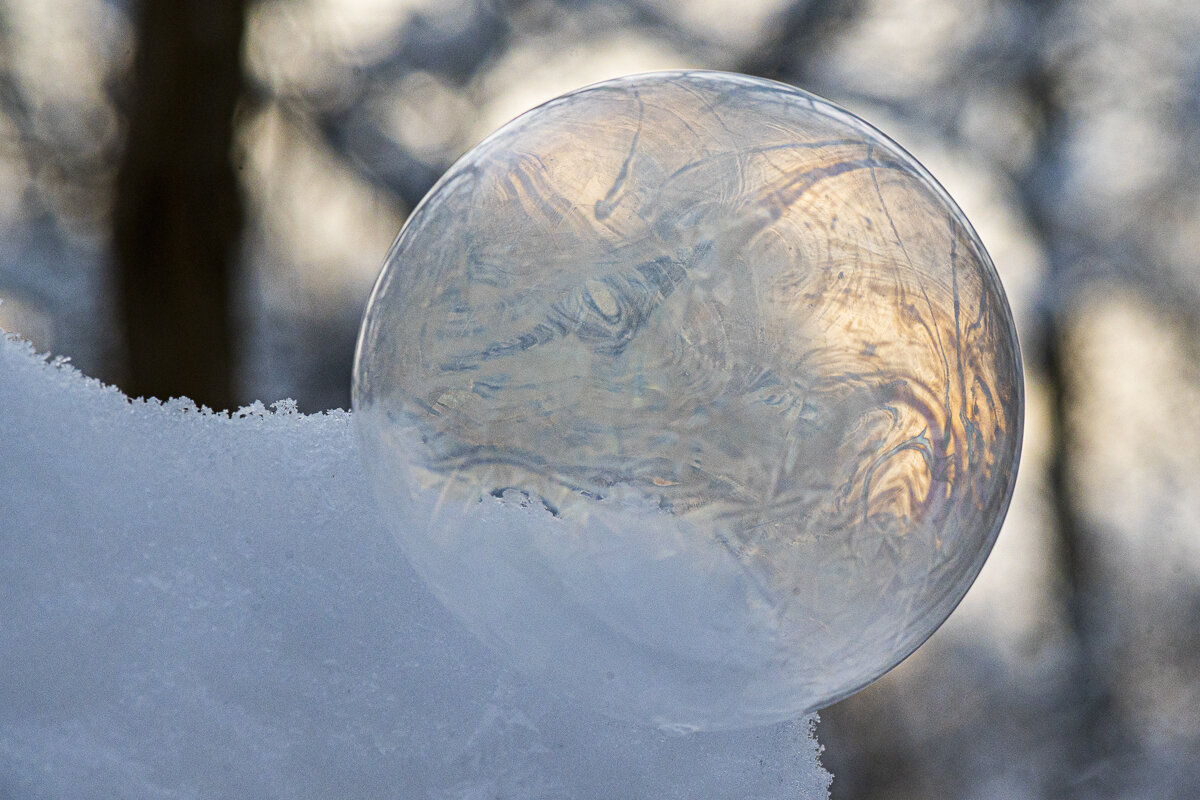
(197, 196)
(177, 211)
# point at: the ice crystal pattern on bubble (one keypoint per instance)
(729, 303)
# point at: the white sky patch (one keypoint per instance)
(713, 19)
(309, 44)
(331, 230)
(541, 69)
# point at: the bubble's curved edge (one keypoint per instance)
(849, 117)
(1014, 346)
(1002, 513)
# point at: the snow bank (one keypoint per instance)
(193, 605)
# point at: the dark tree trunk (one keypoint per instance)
(178, 213)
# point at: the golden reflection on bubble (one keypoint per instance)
(730, 301)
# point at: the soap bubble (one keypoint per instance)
(694, 395)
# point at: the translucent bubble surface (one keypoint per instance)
(693, 394)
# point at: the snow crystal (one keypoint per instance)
(194, 604)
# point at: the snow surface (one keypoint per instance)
(194, 605)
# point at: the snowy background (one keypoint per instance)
(1068, 131)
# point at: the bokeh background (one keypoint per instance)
(195, 196)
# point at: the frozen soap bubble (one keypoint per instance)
(694, 395)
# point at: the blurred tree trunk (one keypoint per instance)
(177, 215)
(1090, 696)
